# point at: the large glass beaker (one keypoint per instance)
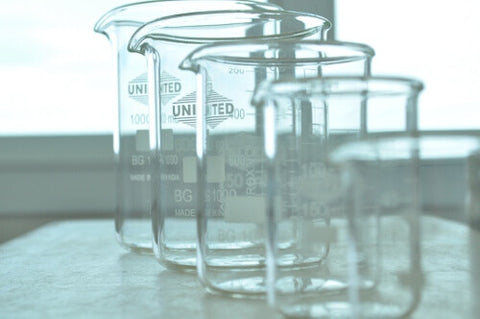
(165, 43)
(131, 114)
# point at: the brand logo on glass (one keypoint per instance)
(219, 109)
(170, 87)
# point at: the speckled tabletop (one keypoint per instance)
(76, 269)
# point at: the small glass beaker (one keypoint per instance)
(303, 121)
(389, 182)
(165, 43)
(130, 136)
(232, 168)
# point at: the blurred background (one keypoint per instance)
(57, 91)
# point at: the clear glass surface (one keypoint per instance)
(131, 116)
(174, 105)
(233, 170)
(303, 121)
(389, 181)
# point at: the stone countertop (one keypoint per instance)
(76, 269)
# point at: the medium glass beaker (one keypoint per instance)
(130, 136)
(165, 43)
(232, 176)
(389, 183)
(303, 121)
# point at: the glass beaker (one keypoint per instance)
(303, 121)
(165, 43)
(232, 176)
(130, 136)
(389, 182)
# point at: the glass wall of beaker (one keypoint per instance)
(131, 112)
(165, 43)
(303, 121)
(232, 167)
(388, 181)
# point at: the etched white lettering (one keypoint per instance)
(185, 212)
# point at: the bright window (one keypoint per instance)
(434, 41)
(56, 79)
(56, 72)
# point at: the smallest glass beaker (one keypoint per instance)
(388, 185)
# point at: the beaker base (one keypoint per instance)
(144, 248)
(183, 266)
(251, 287)
(340, 309)
(177, 259)
(333, 299)
(140, 250)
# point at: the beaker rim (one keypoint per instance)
(253, 52)
(138, 13)
(340, 85)
(424, 145)
(173, 28)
